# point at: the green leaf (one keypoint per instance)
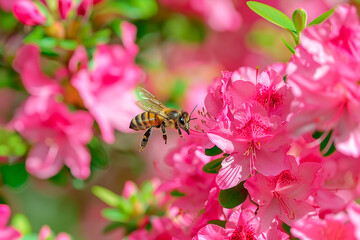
(272, 15)
(113, 226)
(317, 134)
(60, 178)
(115, 215)
(324, 144)
(321, 18)
(213, 151)
(32, 236)
(233, 197)
(218, 222)
(14, 175)
(102, 36)
(34, 36)
(7, 21)
(67, 44)
(284, 78)
(213, 166)
(183, 29)
(133, 9)
(99, 156)
(107, 196)
(176, 193)
(21, 223)
(291, 48)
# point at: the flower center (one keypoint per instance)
(243, 233)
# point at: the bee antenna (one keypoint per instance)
(192, 113)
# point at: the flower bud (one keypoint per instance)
(65, 7)
(299, 18)
(28, 13)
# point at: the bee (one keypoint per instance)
(158, 115)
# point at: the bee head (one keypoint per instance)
(184, 121)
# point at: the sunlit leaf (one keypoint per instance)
(107, 196)
(291, 48)
(272, 15)
(321, 18)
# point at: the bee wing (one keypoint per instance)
(150, 103)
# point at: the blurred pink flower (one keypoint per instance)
(27, 64)
(59, 137)
(243, 224)
(108, 90)
(220, 15)
(284, 196)
(332, 226)
(324, 74)
(7, 5)
(65, 7)
(245, 117)
(46, 233)
(353, 210)
(28, 13)
(7, 233)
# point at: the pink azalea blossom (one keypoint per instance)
(7, 233)
(332, 226)
(340, 182)
(162, 228)
(241, 225)
(27, 63)
(59, 137)
(353, 211)
(28, 13)
(65, 7)
(245, 117)
(46, 233)
(220, 15)
(324, 74)
(284, 196)
(108, 90)
(184, 174)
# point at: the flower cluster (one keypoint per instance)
(262, 123)
(89, 84)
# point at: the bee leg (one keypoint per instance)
(145, 139)
(180, 133)
(164, 133)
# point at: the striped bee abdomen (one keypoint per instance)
(144, 121)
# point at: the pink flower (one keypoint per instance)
(241, 225)
(108, 90)
(220, 15)
(245, 117)
(7, 233)
(324, 74)
(340, 176)
(59, 137)
(353, 211)
(332, 226)
(184, 175)
(46, 233)
(27, 63)
(7, 5)
(161, 228)
(65, 7)
(284, 196)
(28, 13)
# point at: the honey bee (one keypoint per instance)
(158, 115)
